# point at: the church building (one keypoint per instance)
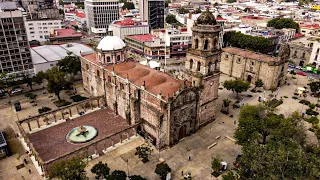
(167, 109)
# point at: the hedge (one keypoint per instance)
(61, 103)
(44, 109)
(78, 98)
(305, 102)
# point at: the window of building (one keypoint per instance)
(39, 27)
(98, 73)
(45, 31)
(251, 68)
(41, 37)
(40, 32)
(50, 23)
(46, 37)
(198, 66)
(226, 56)
(31, 32)
(303, 55)
(196, 44)
(56, 23)
(87, 66)
(30, 24)
(239, 60)
(118, 58)
(282, 68)
(31, 28)
(39, 24)
(108, 59)
(191, 64)
(252, 63)
(44, 23)
(45, 28)
(209, 67)
(206, 44)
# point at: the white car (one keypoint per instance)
(289, 69)
(15, 91)
(291, 66)
(298, 67)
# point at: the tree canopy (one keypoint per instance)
(101, 170)
(171, 19)
(197, 11)
(259, 83)
(236, 86)
(253, 43)
(70, 64)
(274, 146)
(162, 170)
(128, 5)
(69, 169)
(182, 10)
(166, 3)
(280, 23)
(56, 81)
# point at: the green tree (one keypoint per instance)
(101, 170)
(27, 79)
(293, 72)
(69, 169)
(283, 155)
(117, 175)
(258, 83)
(197, 11)
(280, 23)
(39, 77)
(135, 177)
(315, 87)
(216, 164)
(166, 3)
(247, 10)
(61, 11)
(237, 86)
(56, 81)
(253, 43)
(171, 19)
(262, 121)
(143, 152)
(230, 175)
(216, 4)
(128, 5)
(231, 1)
(162, 170)
(182, 10)
(70, 64)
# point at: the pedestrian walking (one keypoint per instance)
(181, 173)
(25, 161)
(189, 158)
(29, 171)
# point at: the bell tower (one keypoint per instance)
(202, 66)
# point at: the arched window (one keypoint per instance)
(118, 58)
(303, 55)
(206, 42)
(215, 44)
(318, 51)
(108, 59)
(209, 67)
(98, 73)
(196, 44)
(295, 54)
(191, 64)
(198, 66)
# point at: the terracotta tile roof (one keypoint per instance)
(81, 14)
(310, 26)
(51, 142)
(143, 38)
(64, 33)
(249, 54)
(125, 22)
(155, 81)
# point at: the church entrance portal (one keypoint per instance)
(182, 132)
(249, 78)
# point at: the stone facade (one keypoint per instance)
(251, 66)
(167, 108)
(299, 54)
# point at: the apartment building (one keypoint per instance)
(14, 48)
(39, 30)
(99, 14)
(128, 27)
(152, 11)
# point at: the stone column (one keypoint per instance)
(112, 142)
(120, 136)
(90, 105)
(70, 114)
(55, 118)
(62, 114)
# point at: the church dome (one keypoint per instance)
(110, 43)
(206, 18)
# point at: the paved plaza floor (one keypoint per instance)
(195, 145)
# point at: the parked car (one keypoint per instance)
(301, 73)
(291, 66)
(15, 91)
(289, 69)
(298, 67)
(224, 166)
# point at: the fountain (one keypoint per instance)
(82, 134)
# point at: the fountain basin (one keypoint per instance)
(82, 134)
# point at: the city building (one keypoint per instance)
(148, 45)
(167, 108)
(128, 27)
(14, 53)
(301, 50)
(46, 56)
(99, 14)
(4, 148)
(40, 9)
(152, 11)
(251, 66)
(178, 40)
(64, 35)
(40, 30)
(310, 29)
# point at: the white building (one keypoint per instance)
(99, 14)
(39, 30)
(128, 27)
(44, 57)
